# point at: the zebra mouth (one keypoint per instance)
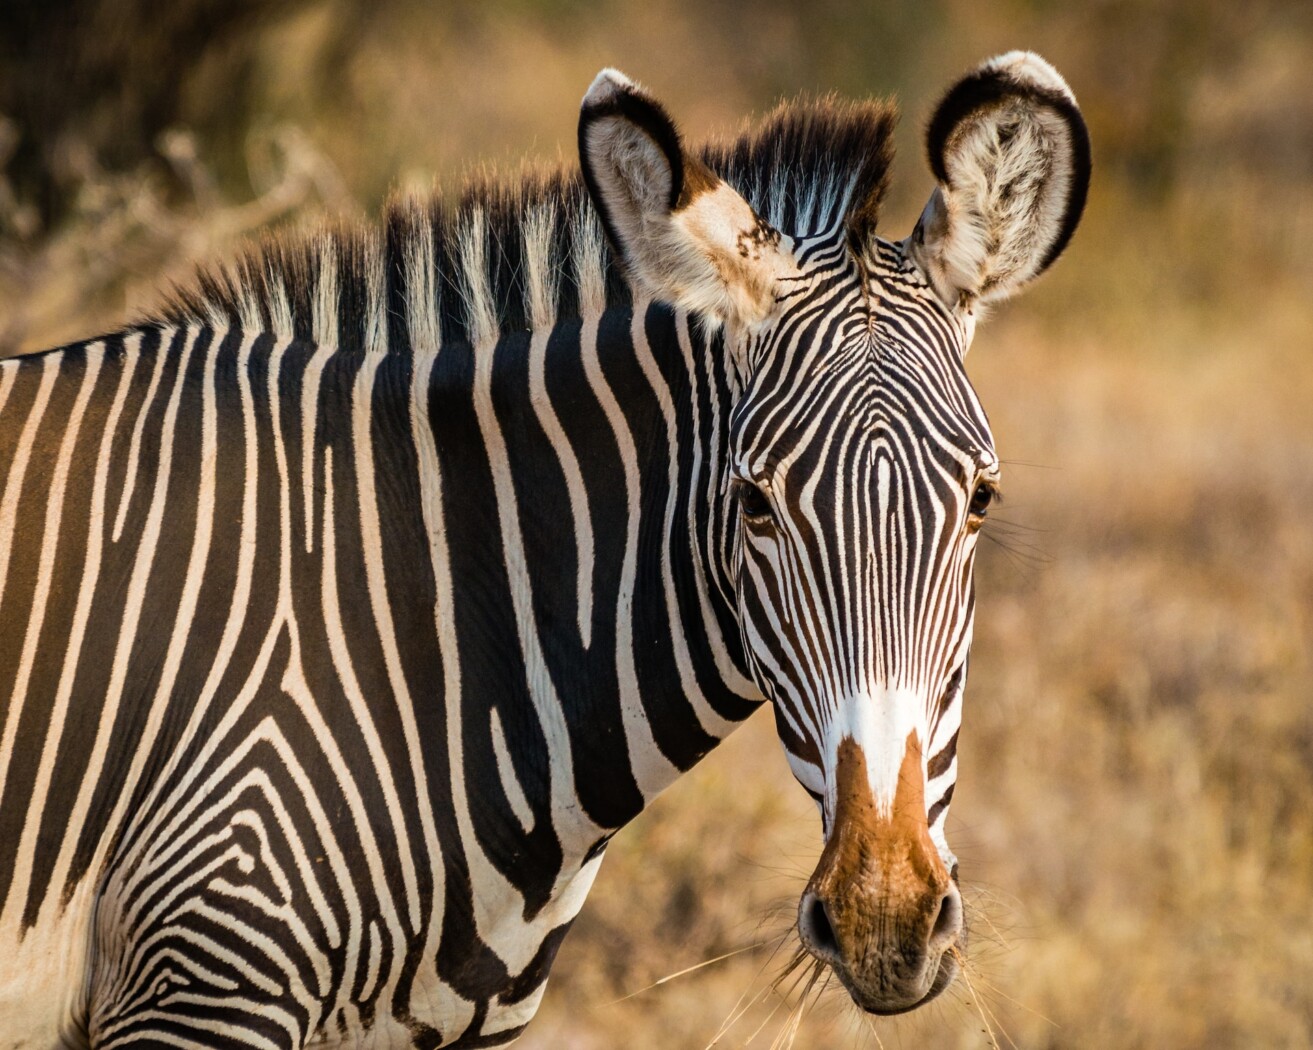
(944, 976)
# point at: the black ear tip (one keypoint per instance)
(614, 95)
(973, 92)
(1015, 75)
(1019, 86)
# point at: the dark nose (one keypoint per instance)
(881, 909)
(894, 963)
(818, 931)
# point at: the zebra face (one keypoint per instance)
(860, 467)
(863, 467)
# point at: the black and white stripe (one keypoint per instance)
(348, 608)
(285, 756)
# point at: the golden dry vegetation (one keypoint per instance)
(1135, 806)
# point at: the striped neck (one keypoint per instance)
(594, 454)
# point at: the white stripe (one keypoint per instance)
(162, 355)
(653, 771)
(8, 373)
(430, 991)
(371, 536)
(373, 961)
(337, 644)
(134, 601)
(8, 516)
(571, 823)
(310, 383)
(323, 327)
(574, 483)
(18, 466)
(26, 853)
(506, 772)
(713, 723)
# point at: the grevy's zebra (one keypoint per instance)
(349, 607)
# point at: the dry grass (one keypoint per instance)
(1133, 815)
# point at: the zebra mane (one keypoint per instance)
(523, 254)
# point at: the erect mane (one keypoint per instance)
(515, 255)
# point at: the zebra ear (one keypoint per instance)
(680, 231)
(1011, 154)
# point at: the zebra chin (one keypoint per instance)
(944, 975)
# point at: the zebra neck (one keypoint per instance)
(471, 597)
(576, 474)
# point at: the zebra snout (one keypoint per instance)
(882, 910)
(892, 954)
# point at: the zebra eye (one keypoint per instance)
(753, 502)
(981, 499)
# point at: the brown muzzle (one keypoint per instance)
(881, 909)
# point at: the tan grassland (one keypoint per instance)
(1134, 815)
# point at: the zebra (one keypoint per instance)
(352, 601)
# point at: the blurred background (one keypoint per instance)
(1134, 814)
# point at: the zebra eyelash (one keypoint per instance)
(985, 494)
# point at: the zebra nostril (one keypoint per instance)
(817, 932)
(949, 919)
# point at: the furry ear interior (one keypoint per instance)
(680, 231)
(1011, 155)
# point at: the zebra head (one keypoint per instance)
(860, 465)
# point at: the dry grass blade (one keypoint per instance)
(740, 1008)
(870, 1025)
(788, 1032)
(687, 970)
(986, 1014)
(994, 990)
(794, 966)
